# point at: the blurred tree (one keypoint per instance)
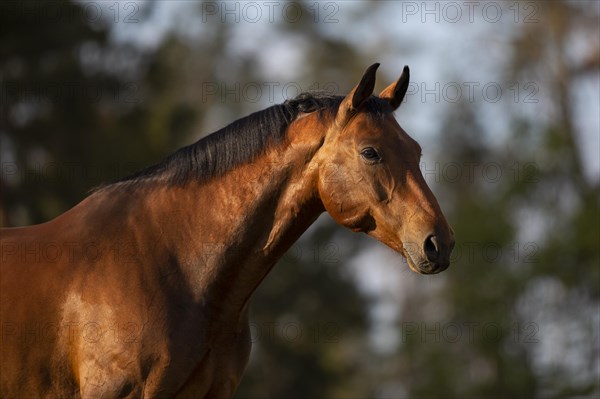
(522, 297)
(80, 108)
(310, 291)
(77, 108)
(309, 324)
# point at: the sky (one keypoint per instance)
(468, 39)
(455, 51)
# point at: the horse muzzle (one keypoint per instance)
(432, 256)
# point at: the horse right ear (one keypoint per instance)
(352, 102)
(394, 93)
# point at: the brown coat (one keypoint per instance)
(142, 289)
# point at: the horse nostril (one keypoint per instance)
(431, 248)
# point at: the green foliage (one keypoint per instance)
(527, 255)
(150, 102)
(70, 126)
(506, 282)
(305, 317)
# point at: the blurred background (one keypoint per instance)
(504, 99)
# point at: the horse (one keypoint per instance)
(143, 288)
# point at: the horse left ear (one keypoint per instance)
(395, 92)
(359, 94)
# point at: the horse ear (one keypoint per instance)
(359, 94)
(395, 92)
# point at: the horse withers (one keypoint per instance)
(142, 289)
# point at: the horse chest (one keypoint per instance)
(219, 370)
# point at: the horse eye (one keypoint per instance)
(370, 154)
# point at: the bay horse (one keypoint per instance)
(142, 289)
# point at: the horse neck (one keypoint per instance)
(227, 233)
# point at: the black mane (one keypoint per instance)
(244, 139)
